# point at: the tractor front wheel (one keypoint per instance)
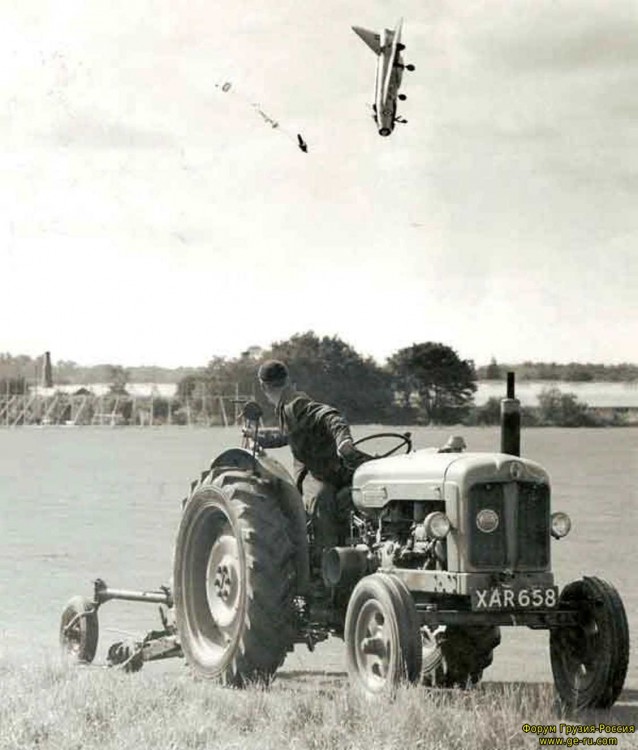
(589, 660)
(383, 643)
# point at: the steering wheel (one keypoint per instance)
(404, 441)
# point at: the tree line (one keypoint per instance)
(425, 383)
(25, 369)
(572, 372)
(22, 369)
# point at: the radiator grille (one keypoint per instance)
(487, 550)
(521, 540)
(533, 526)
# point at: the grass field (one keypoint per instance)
(51, 706)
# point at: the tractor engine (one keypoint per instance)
(401, 507)
(404, 534)
(463, 513)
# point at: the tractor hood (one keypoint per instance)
(423, 474)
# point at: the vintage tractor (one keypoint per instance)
(445, 547)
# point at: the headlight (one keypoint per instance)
(437, 525)
(487, 520)
(561, 525)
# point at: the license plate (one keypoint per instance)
(505, 598)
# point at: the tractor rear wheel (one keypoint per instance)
(589, 660)
(233, 580)
(458, 656)
(383, 644)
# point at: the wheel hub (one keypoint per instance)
(580, 650)
(223, 581)
(372, 645)
(73, 638)
(72, 634)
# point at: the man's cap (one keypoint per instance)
(273, 372)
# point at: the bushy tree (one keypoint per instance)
(330, 370)
(493, 371)
(186, 386)
(229, 376)
(563, 409)
(13, 386)
(577, 373)
(488, 413)
(443, 384)
(162, 409)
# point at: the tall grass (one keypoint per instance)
(52, 706)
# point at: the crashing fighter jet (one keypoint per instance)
(390, 69)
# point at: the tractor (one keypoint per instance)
(445, 547)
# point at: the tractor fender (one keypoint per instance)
(288, 495)
(294, 509)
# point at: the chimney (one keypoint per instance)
(47, 375)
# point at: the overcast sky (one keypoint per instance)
(150, 218)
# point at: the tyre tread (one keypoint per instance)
(607, 686)
(266, 634)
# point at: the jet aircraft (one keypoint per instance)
(390, 67)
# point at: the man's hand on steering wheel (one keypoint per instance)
(403, 441)
(351, 456)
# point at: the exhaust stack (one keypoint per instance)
(511, 420)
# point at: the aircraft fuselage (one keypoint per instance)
(387, 83)
(389, 74)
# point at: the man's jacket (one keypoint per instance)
(314, 431)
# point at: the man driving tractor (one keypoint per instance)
(324, 454)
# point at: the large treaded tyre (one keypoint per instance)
(233, 580)
(383, 643)
(79, 630)
(464, 652)
(589, 660)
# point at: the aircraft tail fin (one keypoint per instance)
(372, 39)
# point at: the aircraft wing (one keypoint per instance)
(372, 39)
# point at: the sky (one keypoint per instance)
(149, 217)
